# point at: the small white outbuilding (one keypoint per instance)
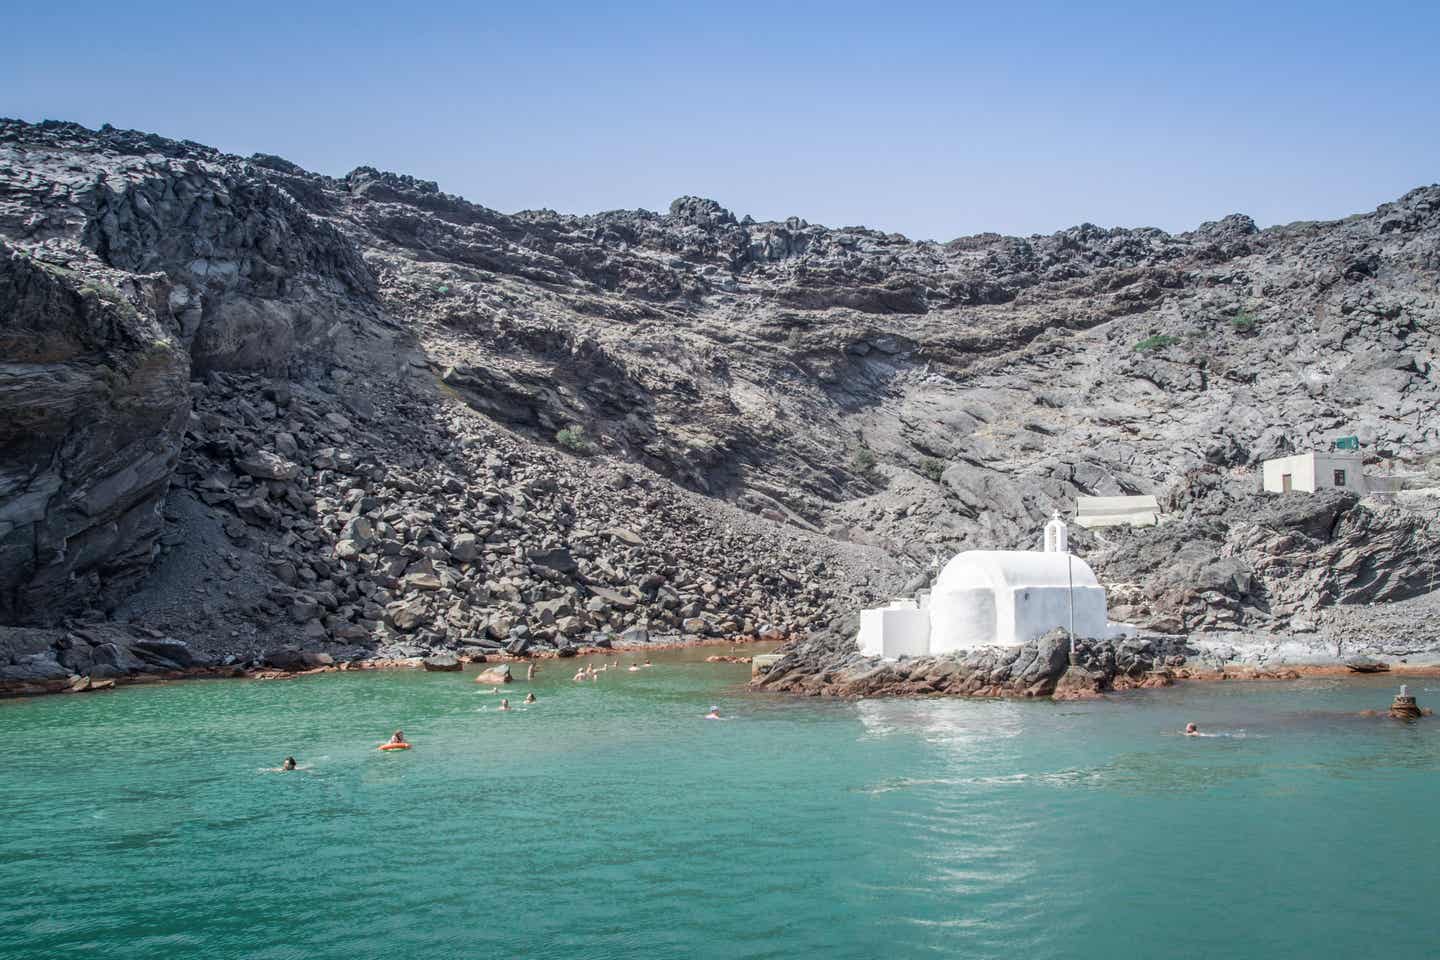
(1309, 472)
(1140, 511)
(992, 598)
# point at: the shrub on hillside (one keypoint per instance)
(573, 438)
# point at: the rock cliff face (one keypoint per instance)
(255, 404)
(92, 402)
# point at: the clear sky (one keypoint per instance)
(935, 119)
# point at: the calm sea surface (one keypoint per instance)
(610, 820)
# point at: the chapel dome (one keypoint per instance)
(1011, 569)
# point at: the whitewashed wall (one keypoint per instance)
(962, 619)
(894, 632)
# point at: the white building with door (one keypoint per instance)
(985, 598)
(1309, 472)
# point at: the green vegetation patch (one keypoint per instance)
(574, 439)
(862, 460)
(1244, 321)
(932, 468)
(1158, 342)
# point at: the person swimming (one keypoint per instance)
(1191, 730)
(289, 764)
(530, 671)
(579, 675)
(398, 737)
(504, 704)
(530, 697)
(634, 668)
(648, 663)
(714, 713)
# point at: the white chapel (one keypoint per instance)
(986, 598)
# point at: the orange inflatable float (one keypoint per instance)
(394, 746)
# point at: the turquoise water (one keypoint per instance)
(610, 820)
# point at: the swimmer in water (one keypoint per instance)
(530, 697)
(648, 664)
(714, 713)
(398, 737)
(530, 671)
(579, 675)
(634, 668)
(504, 704)
(289, 764)
(1191, 730)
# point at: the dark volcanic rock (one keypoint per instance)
(92, 401)
(417, 425)
(442, 663)
(1041, 668)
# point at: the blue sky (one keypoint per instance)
(932, 119)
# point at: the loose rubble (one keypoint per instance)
(280, 415)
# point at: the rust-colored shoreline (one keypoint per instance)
(1270, 673)
(1301, 671)
(85, 685)
(1080, 685)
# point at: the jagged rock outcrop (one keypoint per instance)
(367, 380)
(92, 403)
(1257, 560)
(1042, 668)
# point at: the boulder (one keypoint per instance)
(77, 656)
(495, 675)
(421, 581)
(35, 667)
(558, 559)
(285, 658)
(358, 529)
(114, 660)
(168, 651)
(634, 636)
(441, 663)
(464, 548)
(407, 615)
(264, 465)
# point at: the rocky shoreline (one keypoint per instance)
(1045, 668)
(123, 659)
(1038, 670)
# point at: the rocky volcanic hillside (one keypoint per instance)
(247, 404)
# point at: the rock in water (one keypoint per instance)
(442, 663)
(495, 675)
